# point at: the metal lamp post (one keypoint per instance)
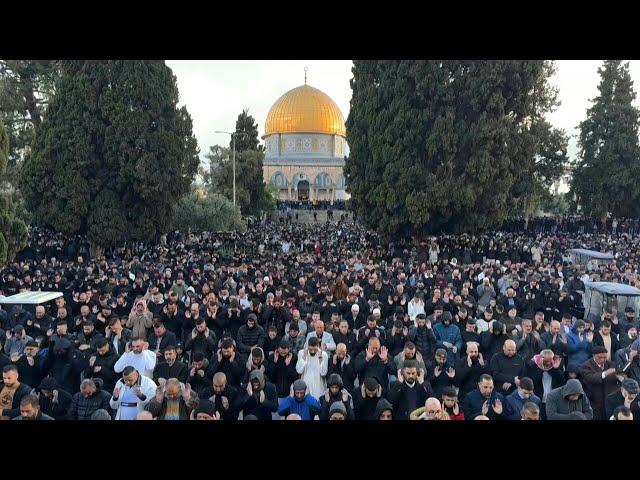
(233, 143)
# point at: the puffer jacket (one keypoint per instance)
(424, 339)
(559, 406)
(82, 408)
(250, 337)
(334, 379)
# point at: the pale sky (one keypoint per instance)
(216, 91)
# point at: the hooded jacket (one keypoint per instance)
(253, 406)
(30, 374)
(139, 323)
(559, 406)
(58, 410)
(281, 374)
(425, 340)
(334, 379)
(382, 405)
(250, 337)
(59, 364)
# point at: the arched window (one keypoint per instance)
(323, 180)
(278, 180)
(342, 182)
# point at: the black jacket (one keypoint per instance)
(202, 343)
(326, 406)
(233, 370)
(82, 408)
(22, 391)
(58, 410)
(504, 370)
(365, 408)
(615, 400)
(281, 374)
(374, 368)
(406, 399)
(200, 383)
(31, 375)
(178, 370)
(467, 377)
(168, 338)
(252, 405)
(425, 341)
(250, 337)
(536, 374)
(107, 373)
(233, 395)
(345, 370)
(491, 344)
(349, 339)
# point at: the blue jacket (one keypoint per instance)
(472, 405)
(307, 408)
(515, 403)
(579, 350)
(449, 334)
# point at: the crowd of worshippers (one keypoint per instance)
(299, 323)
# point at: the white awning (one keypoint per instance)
(30, 298)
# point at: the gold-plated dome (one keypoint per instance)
(305, 110)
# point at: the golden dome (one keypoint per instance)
(305, 110)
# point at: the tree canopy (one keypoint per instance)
(113, 154)
(607, 173)
(449, 145)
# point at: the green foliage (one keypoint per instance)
(607, 173)
(449, 145)
(13, 231)
(26, 88)
(251, 141)
(555, 204)
(113, 155)
(213, 213)
(250, 188)
(4, 148)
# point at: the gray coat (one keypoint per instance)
(559, 407)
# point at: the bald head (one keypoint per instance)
(433, 408)
(219, 383)
(144, 415)
(509, 348)
(293, 416)
(341, 350)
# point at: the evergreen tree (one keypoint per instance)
(446, 145)
(606, 176)
(26, 88)
(251, 195)
(13, 231)
(113, 154)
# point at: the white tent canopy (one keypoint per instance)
(30, 298)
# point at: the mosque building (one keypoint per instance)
(305, 141)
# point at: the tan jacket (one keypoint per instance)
(139, 322)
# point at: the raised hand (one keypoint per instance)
(497, 406)
(136, 390)
(219, 355)
(480, 359)
(250, 389)
(420, 375)
(92, 360)
(116, 393)
(261, 397)
(451, 372)
(557, 361)
(186, 394)
(159, 393)
(384, 353)
(55, 396)
(368, 353)
(345, 395)
(437, 371)
(225, 403)
(288, 358)
(379, 391)
(485, 408)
